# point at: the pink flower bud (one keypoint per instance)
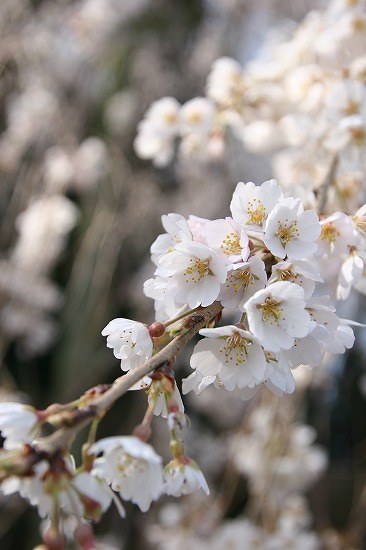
(156, 329)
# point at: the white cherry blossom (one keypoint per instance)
(228, 354)
(183, 478)
(290, 231)
(307, 351)
(131, 467)
(279, 378)
(177, 230)
(195, 273)
(130, 341)
(197, 116)
(301, 272)
(228, 239)
(349, 275)
(18, 424)
(225, 81)
(165, 305)
(338, 234)
(197, 226)
(251, 204)
(59, 485)
(243, 280)
(277, 315)
(156, 132)
(344, 337)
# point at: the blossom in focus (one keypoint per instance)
(301, 272)
(243, 280)
(277, 315)
(228, 240)
(195, 273)
(251, 204)
(130, 341)
(228, 354)
(290, 231)
(177, 230)
(338, 234)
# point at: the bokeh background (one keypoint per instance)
(79, 211)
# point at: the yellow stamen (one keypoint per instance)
(271, 310)
(235, 348)
(257, 212)
(330, 233)
(197, 270)
(231, 244)
(287, 231)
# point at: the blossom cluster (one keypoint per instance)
(262, 264)
(116, 467)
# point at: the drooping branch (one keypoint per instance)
(61, 439)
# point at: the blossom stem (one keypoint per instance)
(179, 317)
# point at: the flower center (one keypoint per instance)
(129, 465)
(289, 275)
(240, 280)
(271, 310)
(358, 135)
(330, 233)
(256, 211)
(352, 108)
(170, 118)
(197, 270)
(360, 223)
(235, 349)
(231, 244)
(287, 231)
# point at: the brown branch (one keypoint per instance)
(61, 439)
(322, 192)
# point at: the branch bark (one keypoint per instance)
(61, 439)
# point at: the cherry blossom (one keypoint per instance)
(228, 240)
(338, 234)
(59, 486)
(177, 230)
(231, 355)
(18, 424)
(301, 272)
(156, 132)
(195, 272)
(277, 315)
(131, 467)
(130, 341)
(183, 478)
(290, 231)
(251, 204)
(243, 280)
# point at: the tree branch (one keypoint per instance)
(61, 439)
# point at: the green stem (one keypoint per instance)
(179, 317)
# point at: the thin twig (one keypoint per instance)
(61, 439)
(322, 193)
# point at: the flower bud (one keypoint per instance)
(53, 539)
(142, 431)
(156, 329)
